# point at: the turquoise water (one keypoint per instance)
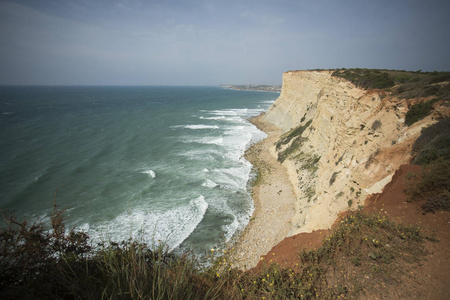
(152, 163)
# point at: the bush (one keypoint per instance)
(376, 124)
(433, 143)
(433, 186)
(41, 264)
(296, 132)
(30, 253)
(295, 135)
(366, 78)
(432, 150)
(333, 177)
(419, 111)
(130, 270)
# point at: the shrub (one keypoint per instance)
(361, 243)
(418, 111)
(333, 177)
(296, 132)
(130, 270)
(295, 135)
(432, 186)
(376, 124)
(433, 143)
(41, 264)
(366, 78)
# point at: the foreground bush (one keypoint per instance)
(37, 263)
(40, 264)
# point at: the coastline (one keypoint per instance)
(254, 87)
(274, 202)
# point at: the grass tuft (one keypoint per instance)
(360, 245)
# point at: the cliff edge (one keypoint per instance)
(341, 143)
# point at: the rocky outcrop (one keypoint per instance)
(341, 143)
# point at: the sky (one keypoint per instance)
(209, 42)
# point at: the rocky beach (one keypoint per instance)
(274, 201)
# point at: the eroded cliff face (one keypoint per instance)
(341, 143)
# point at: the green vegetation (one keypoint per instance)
(333, 177)
(361, 252)
(340, 159)
(293, 147)
(366, 78)
(433, 143)
(371, 158)
(41, 264)
(295, 135)
(434, 84)
(37, 264)
(428, 84)
(310, 192)
(432, 150)
(408, 85)
(376, 124)
(419, 111)
(433, 186)
(309, 161)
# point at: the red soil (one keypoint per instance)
(429, 279)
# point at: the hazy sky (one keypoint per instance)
(209, 42)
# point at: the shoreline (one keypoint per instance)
(274, 202)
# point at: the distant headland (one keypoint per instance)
(254, 87)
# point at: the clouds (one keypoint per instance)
(212, 42)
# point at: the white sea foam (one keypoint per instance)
(200, 126)
(196, 126)
(209, 183)
(150, 173)
(213, 118)
(268, 102)
(233, 177)
(233, 136)
(170, 227)
(231, 228)
(212, 140)
(202, 154)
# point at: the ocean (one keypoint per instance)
(156, 164)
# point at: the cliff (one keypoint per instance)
(341, 143)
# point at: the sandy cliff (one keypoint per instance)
(341, 143)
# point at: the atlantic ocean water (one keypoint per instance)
(157, 164)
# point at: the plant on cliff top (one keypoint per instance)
(366, 78)
(419, 111)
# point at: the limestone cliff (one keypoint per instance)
(341, 144)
